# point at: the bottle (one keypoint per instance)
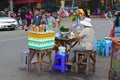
(33, 27)
(59, 35)
(40, 28)
(49, 25)
(43, 28)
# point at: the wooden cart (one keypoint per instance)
(114, 72)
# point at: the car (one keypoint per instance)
(8, 23)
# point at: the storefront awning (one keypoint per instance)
(27, 1)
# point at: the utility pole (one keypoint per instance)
(62, 3)
(11, 5)
(73, 1)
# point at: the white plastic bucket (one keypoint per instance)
(62, 50)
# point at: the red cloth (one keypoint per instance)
(103, 16)
(112, 34)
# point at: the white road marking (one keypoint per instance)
(13, 39)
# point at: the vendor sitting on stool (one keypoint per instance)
(86, 39)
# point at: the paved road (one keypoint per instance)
(13, 42)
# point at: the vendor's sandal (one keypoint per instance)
(69, 63)
(26, 29)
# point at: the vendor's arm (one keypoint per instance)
(77, 35)
(43, 19)
(54, 22)
(81, 35)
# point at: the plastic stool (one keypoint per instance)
(95, 45)
(98, 47)
(108, 47)
(59, 62)
(25, 64)
(101, 47)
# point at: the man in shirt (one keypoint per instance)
(86, 39)
(37, 18)
(49, 19)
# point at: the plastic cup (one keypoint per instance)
(49, 25)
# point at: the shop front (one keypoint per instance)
(32, 4)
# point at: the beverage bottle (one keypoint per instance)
(35, 29)
(49, 25)
(59, 35)
(40, 28)
(43, 28)
(31, 28)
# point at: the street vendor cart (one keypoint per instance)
(41, 44)
(114, 72)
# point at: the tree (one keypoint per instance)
(3, 4)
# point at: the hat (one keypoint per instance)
(86, 22)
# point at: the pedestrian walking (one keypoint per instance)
(18, 17)
(13, 15)
(116, 27)
(28, 17)
(22, 15)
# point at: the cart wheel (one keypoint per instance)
(111, 75)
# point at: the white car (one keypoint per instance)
(8, 23)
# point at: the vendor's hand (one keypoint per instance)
(78, 38)
(76, 33)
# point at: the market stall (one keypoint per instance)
(40, 42)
